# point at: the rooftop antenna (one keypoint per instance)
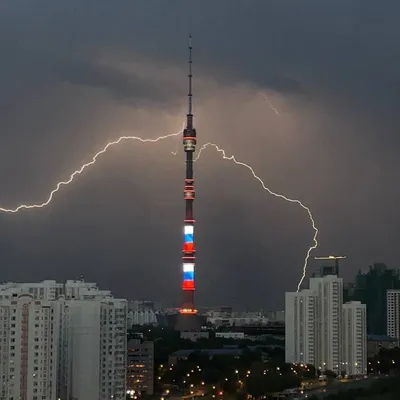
(336, 260)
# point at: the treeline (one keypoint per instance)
(385, 362)
(167, 341)
(247, 373)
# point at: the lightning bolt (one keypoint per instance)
(204, 147)
(82, 168)
(281, 196)
(175, 152)
(270, 104)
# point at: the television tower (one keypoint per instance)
(187, 318)
(188, 251)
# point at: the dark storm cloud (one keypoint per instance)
(117, 83)
(75, 74)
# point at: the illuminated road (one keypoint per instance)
(338, 386)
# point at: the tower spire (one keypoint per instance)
(190, 95)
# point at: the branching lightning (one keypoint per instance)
(82, 168)
(204, 147)
(281, 196)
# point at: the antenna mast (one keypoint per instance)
(190, 75)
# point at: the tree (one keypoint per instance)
(212, 375)
(199, 358)
(222, 362)
(310, 371)
(257, 386)
(329, 374)
(248, 357)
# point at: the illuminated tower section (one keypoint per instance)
(188, 251)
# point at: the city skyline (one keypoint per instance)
(331, 144)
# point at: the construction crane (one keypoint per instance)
(333, 258)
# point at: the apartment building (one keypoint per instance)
(140, 367)
(96, 339)
(323, 331)
(300, 327)
(354, 339)
(393, 313)
(85, 346)
(329, 302)
(28, 348)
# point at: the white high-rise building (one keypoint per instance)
(321, 330)
(329, 292)
(354, 339)
(51, 290)
(28, 348)
(97, 343)
(300, 324)
(45, 290)
(88, 340)
(393, 313)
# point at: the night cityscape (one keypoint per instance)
(199, 200)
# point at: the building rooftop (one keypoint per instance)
(210, 352)
(381, 338)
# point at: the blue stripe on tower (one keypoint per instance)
(189, 237)
(188, 276)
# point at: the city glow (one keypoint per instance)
(281, 196)
(187, 311)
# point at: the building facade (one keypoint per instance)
(393, 314)
(321, 330)
(354, 339)
(140, 367)
(73, 333)
(96, 339)
(300, 327)
(329, 295)
(28, 348)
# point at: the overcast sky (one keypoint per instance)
(76, 74)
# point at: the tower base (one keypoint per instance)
(189, 322)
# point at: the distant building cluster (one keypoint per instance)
(371, 288)
(225, 316)
(322, 331)
(141, 312)
(62, 340)
(379, 290)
